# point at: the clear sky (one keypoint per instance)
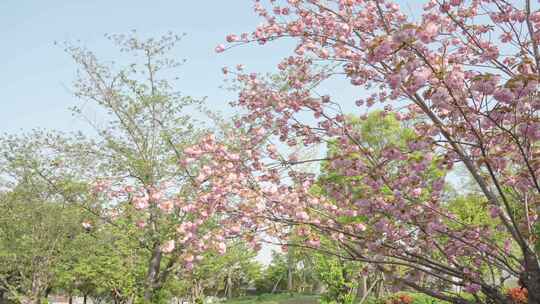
(36, 75)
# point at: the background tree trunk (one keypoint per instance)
(153, 272)
(290, 271)
(362, 287)
(229, 287)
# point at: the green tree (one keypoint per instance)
(226, 275)
(140, 145)
(40, 217)
(337, 275)
(274, 277)
(102, 264)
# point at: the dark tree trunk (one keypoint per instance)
(48, 292)
(277, 284)
(290, 269)
(152, 275)
(362, 287)
(36, 289)
(531, 279)
(229, 287)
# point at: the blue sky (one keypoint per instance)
(37, 75)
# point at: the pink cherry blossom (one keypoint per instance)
(166, 206)
(222, 248)
(220, 48)
(457, 76)
(141, 224)
(168, 246)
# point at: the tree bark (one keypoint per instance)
(531, 279)
(362, 287)
(276, 284)
(152, 274)
(36, 289)
(290, 271)
(229, 287)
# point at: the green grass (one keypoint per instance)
(276, 299)
(287, 298)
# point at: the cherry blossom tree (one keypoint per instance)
(143, 179)
(462, 74)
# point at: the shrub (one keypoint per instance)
(410, 298)
(518, 295)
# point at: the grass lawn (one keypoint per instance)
(276, 299)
